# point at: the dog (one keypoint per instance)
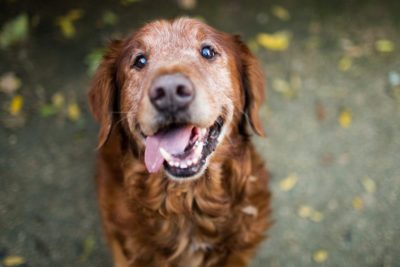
(179, 182)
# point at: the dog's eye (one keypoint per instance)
(140, 62)
(207, 52)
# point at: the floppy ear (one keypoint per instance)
(102, 92)
(252, 79)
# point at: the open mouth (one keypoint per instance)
(182, 149)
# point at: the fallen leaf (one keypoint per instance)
(345, 63)
(13, 261)
(281, 13)
(9, 83)
(14, 31)
(358, 203)
(88, 245)
(187, 4)
(47, 111)
(289, 182)
(320, 256)
(16, 105)
(66, 23)
(281, 86)
(316, 216)
(58, 100)
(345, 118)
(109, 18)
(128, 2)
(305, 211)
(93, 60)
(73, 112)
(278, 41)
(369, 184)
(384, 46)
(284, 87)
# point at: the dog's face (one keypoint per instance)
(178, 88)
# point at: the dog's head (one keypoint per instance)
(178, 88)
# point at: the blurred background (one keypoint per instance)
(332, 116)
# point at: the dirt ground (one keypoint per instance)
(332, 116)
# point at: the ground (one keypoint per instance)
(332, 116)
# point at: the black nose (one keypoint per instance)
(171, 92)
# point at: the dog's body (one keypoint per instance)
(202, 209)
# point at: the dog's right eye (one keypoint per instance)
(207, 52)
(140, 62)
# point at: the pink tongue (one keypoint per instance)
(173, 141)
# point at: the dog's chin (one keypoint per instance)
(193, 161)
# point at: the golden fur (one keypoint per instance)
(217, 219)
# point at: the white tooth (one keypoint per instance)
(165, 154)
(195, 160)
(198, 149)
(203, 131)
(183, 165)
(189, 162)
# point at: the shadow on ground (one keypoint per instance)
(332, 116)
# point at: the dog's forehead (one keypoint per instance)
(180, 33)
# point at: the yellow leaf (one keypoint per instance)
(88, 245)
(345, 118)
(358, 203)
(369, 185)
(67, 28)
(345, 64)
(16, 105)
(320, 256)
(13, 261)
(288, 183)
(384, 46)
(74, 112)
(316, 216)
(74, 14)
(278, 41)
(66, 23)
(281, 13)
(58, 100)
(305, 211)
(281, 86)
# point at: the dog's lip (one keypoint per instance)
(195, 125)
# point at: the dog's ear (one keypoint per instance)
(103, 90)
(252, 79)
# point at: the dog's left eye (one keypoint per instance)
(140, 62)
(207, 52)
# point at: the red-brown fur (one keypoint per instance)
(151, 220)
